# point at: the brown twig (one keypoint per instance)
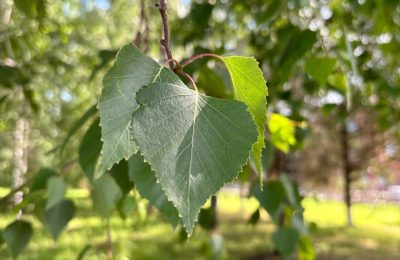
(199, 56)
(162, 7)
(180, 71)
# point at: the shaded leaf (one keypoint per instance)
(254, 218)
(56, 188)
(30, 95)
(10, 76)
(1, 239)
(17, 236)
(292, 191)
(32, 8)
(105, 194)
(40, 180)
(120, 174)
(126, 206)
(56, 218)
(89, 149)
(106, 56)
(194, 143)
(131, 71)
(212, 83)
(286, 240)
(271, 197)
(250, 87)
(297, 44)
(88, 114)
(148, 187)
(207, 218)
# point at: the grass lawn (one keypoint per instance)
(376, 234)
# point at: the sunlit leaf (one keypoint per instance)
(282, 131)
(250, 87)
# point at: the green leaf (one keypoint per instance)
(250, 87)
(56, 218)
(78, 125)
(148, 187)
(126, 206)
(194, 143)
(212, 83)
(11, 76)
(271, 197)
(320, 68)
(1, 239)
(282, 131)
(30, 96)
(120, 174)
(105, 194)
(17, 236)
(105, 56)
(306, 249)
(208, 218)
(286, 240)
(56, 188)
(131, 71)
(297, 44)
(28, 7)
(32, 8)
(292, 191)
(338, 81)
(89, 150)
(41, 178)
(254, 218)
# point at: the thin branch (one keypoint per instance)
(109, 240)
(188, 77)
(162, 7)
(199, 56)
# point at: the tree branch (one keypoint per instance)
(162, 7)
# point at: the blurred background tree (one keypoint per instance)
(332, 69)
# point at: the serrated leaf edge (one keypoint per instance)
(218, 189)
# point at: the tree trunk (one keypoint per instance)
(346, 172)
(20, 156)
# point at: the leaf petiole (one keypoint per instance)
(200, 56)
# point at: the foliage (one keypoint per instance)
(155, 138)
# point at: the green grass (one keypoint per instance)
(376, 234)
